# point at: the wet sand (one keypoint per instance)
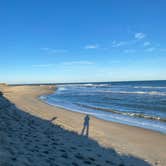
(125, 140)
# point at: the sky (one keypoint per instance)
(82, 40)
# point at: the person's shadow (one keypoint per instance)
(85, 128)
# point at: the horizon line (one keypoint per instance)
(54, 83)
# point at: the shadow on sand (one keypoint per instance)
(26, 140)
(85, 129)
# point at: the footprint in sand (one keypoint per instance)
(65, 155)
(91, 158)
(89, 150)
(62, 150)
(75, 164)
(99, 155)
(109, 162)
(87, 162)
(78, 156)
(74, 148)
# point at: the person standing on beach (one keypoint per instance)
(86, 126)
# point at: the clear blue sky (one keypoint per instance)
(82, 40)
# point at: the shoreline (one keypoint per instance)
(109, 111)
(67, 109)
(147, 144)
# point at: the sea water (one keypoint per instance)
(136, 103)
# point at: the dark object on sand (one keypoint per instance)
(86, 126)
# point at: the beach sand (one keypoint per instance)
(35, 133)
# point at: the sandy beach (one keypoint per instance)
(35, 132)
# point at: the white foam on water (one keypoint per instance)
(123, 119)
(135, 92)
(150, 87)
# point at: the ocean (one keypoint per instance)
(135, 103)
